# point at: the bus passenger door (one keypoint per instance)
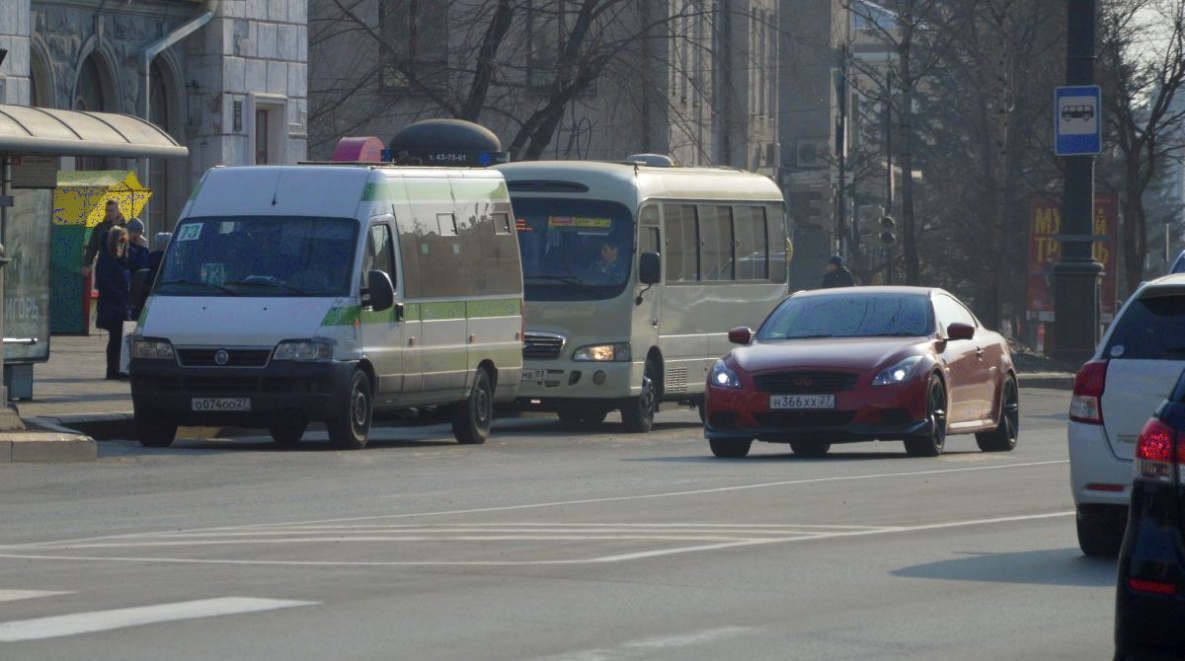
(647, 318)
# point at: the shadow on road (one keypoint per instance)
(1050, 567)
(830, 457)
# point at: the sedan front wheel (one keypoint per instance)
(931, 442)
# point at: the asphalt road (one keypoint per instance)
(551, 544)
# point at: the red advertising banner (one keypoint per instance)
(1045, 222)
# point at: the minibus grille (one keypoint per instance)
(797, 383)
(543, 346)
(234, 357)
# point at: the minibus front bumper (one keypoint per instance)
(241, 396)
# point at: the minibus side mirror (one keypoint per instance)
(650, 268)
(381, 291)
(140, 287)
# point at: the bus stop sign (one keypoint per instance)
(1078, 124)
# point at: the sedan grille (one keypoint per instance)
(543, 346)
(234, 357)
(798, 383)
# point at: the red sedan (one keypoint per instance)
(861, 364)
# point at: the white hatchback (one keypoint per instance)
(1134, 368)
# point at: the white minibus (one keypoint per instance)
(302, 293)
(633, 275)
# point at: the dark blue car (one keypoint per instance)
(1150, 605)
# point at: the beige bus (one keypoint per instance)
(633, 274)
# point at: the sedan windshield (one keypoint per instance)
(574, 249)
(259, 256)
(860, 315)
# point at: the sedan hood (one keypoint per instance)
(848, 353)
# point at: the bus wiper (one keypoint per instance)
(203, 284)
(571, 282)
(270, 282)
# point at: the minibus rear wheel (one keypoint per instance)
(350, 429)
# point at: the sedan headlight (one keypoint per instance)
(722, 377)
(151, 349)
(304, 350)
(899, 373)
(618, 353)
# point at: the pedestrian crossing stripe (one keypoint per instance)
(95, 621)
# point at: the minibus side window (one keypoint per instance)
(379, 252)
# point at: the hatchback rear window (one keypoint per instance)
(1152, 328)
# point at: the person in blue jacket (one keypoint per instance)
(137, 255)
(114, 284)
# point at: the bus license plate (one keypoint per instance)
(534, 375)
(222, 403)
(802, 401)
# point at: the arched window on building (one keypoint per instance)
(41, 81)
(159, 214)
(89, 95)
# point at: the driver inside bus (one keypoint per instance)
(607, 267)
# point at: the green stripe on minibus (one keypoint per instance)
(426, 311)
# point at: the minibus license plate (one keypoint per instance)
(534, 375)
(802, 401)
(222, 403)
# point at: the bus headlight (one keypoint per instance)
(151, 349)
(303, 350)
(618, 353)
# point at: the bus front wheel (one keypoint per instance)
(638, 412)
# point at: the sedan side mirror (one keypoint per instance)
(957, 331)
(741, 335)
(381, 291)
(650, 268)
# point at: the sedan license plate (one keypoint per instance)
(534, 375)
(802, 401)
(222, 403)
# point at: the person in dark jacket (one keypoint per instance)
(137, 257)
(94, 245)
(837, 274)
(114, 284)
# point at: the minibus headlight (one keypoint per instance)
(618, 352)
(303, 350)
(151, 349)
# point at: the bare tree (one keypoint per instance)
(1140, 81)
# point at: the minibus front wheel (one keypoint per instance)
(350, 429)
(638, 412)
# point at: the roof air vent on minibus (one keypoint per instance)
(447, 142)
(652, 160)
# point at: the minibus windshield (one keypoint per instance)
(259, 256)
(574, 249)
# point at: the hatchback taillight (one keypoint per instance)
(1086, 405)
(1156, 452)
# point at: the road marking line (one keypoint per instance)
(562, 503)
(79, 623)
(528, 563)
(17, 595)
(647, 646)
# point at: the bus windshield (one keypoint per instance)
(259, 256)
(574, 249)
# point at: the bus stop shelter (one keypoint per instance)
(45, 134)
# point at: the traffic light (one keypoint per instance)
(888, 230)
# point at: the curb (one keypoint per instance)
(1049, 380)
(47, 444)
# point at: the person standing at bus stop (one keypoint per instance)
(114, 284)
(837, 274)
(114, 217)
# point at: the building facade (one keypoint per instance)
(691, 78)
(226, 78)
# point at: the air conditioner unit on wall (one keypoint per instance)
(811, 153)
